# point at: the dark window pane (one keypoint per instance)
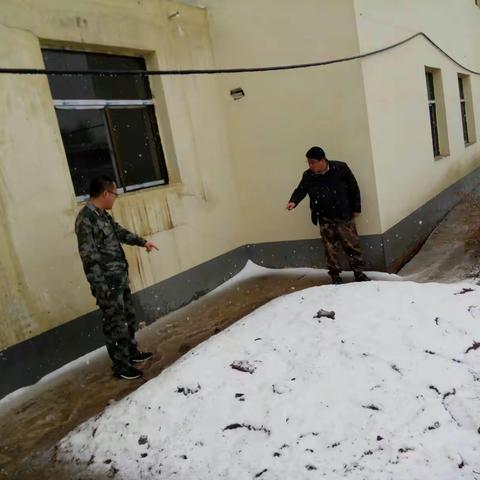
(84, 136)
(434, 128)
(63, 87)
(78, 87)
(137, 145)
(460, 87)
(430, 86)
(464, 122)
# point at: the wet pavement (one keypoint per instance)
(451, 253)
(38, 419)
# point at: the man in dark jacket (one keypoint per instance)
(106, 268)
(335, 203)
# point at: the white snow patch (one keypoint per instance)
(252, 270)
(384, 390)
(249, 271)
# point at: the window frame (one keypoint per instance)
(432, 109)
(467, 109)
(463, 109)
(438, 126)
(103, 104)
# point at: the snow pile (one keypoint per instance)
(388, 388)
(251, 271)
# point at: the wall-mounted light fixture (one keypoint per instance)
(237, 93)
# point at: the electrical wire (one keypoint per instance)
(215, 71)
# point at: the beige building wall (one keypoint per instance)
(285, 113)
(192, 220)
(406, 172)
(232, 164)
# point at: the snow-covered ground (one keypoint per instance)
(449, 255)
(388, 389)
(251, 271)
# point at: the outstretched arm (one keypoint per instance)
(129, 238)
(298, 194)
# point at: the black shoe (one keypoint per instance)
(129, 373)
(337, 280)
(361, 277)
(140, 357)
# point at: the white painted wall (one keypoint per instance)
(285, 113)
(406, 173)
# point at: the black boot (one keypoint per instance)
(336, 279)
(361, 277)
(129, 373)
(140, 357)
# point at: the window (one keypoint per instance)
(466, 109)
(436, 109)
(107, 123)
(463, 110)
(432, 108)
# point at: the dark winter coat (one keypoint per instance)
(334, 195)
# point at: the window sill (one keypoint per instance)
(469, 144)
(441, 157)
(169, 186)
(154, 188)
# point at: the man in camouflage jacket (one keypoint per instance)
(334, 203)
(106, 268)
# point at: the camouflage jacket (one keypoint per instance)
(99, 244)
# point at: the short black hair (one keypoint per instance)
(99, 185)
(316, 153)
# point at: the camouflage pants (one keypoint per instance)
(345, 234)
(119, 325)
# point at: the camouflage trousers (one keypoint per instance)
(119, 325)
(346, 235)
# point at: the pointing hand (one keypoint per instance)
(149, 246)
